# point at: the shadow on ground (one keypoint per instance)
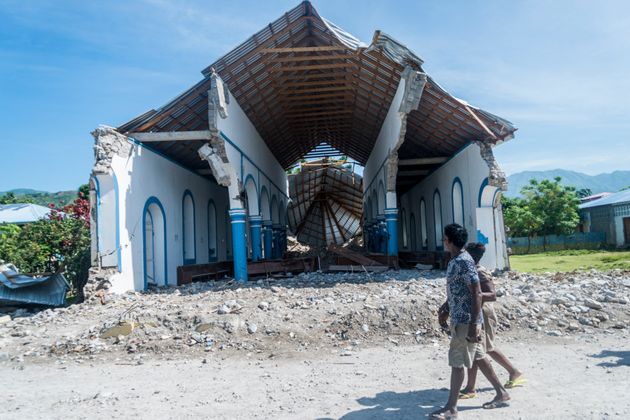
(623, 358)
(403, 405)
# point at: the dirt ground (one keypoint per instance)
(579, 377)
(316, 346)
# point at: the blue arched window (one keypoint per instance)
(437, 219)
(189, 228)
(423, 224)
(457, 198)
(412, 231)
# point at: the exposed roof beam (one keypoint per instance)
(303, 49)
(422, 161)
(311, 58)
(311, 67)
(317, 89)
(172, 136)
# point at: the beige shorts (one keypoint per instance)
(489, 327)
(462, 353)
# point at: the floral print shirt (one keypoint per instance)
(461, 273)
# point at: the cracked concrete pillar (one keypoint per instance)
(226, 176)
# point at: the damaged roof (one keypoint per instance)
(303, 80)
(326, 203)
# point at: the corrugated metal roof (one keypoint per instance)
(49, 291)
(340, 94)
(22, 213)
(621, 197)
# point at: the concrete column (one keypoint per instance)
(268, 238)
(391, 217)
(255, 226)
(239, 247)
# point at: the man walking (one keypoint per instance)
(464, 306)
(488, 295)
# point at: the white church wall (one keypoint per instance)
(145, 174)
(479, 217)
(374, 172)
(249, 154)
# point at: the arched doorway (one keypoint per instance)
(154, 243)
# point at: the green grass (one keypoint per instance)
(564, 261)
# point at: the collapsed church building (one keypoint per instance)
(203, 179)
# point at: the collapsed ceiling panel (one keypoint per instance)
(326, 204)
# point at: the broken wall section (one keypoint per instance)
(144, 180)
(382, 165)
(483, 222)
(244, 148)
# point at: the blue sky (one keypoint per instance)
(558, 69)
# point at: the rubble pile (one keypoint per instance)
(309, 312)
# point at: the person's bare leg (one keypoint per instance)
(491, 376)
(457, 379)
(472, 379)
(506, 364)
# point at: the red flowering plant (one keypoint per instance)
(62, 238)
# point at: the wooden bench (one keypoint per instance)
(201, 272)
(289, 265)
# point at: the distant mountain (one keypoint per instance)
(43, 198)
(611, 182)
(23, 191)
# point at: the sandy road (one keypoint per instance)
(566, 380)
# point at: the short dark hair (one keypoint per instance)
(476, 251)
(456, 234)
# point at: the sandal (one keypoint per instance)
(520, 381)
(466, 395)
(491, 405)
(446, 415)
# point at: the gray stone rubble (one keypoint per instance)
(308, 312)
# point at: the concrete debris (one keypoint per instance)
(123, 328)
(108, 143)
(593, 304)
(309, 312)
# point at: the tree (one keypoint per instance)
(11, 198)
(584, 192)
(42, 246)
(520, 219)
(555, 205)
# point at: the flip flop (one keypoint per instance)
(520, 381)
(443, 416)
(496, 404)
(466, 395)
